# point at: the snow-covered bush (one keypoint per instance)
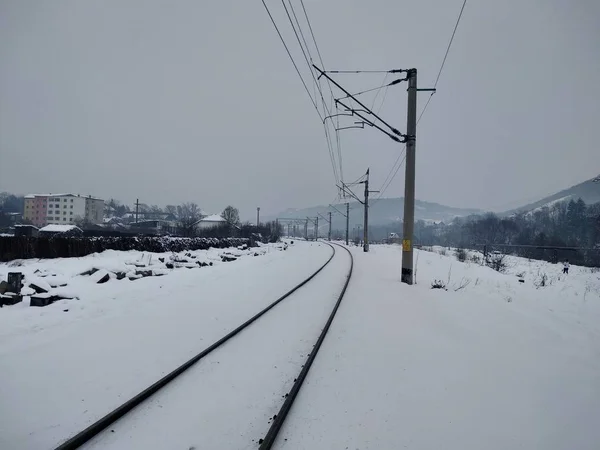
(438, 284)
(475, 258)
(497, 262)
(461, 254)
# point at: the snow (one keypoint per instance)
(212, 218)
(62, 195)
(59, 371)
(550, 204)
(498, 364)
(58, 228)
(491, 362)
(258, 365)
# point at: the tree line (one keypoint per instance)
(185, 218)
(551, 233)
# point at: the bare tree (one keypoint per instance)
(189, 215)
(231, 215)
(154, 212)
(171, 209)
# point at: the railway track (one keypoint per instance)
(97, 429)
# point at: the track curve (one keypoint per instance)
(271, 436)
(103, 423)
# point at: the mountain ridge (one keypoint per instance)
(387, 211)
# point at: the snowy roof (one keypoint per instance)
(59, 228)
(212, 218)
(62, 195)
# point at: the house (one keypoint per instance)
(62, 209)
(26, 230)
(157, 227)
(62, 230)
(15, 217)
(211, 221)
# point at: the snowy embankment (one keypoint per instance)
(59, 371)
(496, 364)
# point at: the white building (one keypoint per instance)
(212, 221)
(62, 209)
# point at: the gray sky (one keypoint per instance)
(174, 101)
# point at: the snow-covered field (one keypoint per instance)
(489, 363)
(498, 364)
(59, 371)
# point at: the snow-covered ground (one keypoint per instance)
(498, 364)
(489, 363)
(60, 371)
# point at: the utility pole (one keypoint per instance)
(317, 228)
(258, 217)
(366, 224)
(306, 229)
(347, 221)
(409, 181)
(366, 205)
(137, 209)
(329, 234)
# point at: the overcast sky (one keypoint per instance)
(174, 101)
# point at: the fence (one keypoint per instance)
(69, 247)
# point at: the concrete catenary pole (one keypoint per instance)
(409, 182)
(329, 234)
(317, 228)
(366, 224)
(258, 216)
(347, 221)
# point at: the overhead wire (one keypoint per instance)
(338, 141)
(292, 59)
(383, 84)
(437, 79)
(327, 135)
(309, 62)
(396, 169)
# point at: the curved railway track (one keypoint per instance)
(98, 427)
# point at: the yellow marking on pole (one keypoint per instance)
(406, 245)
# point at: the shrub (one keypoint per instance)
(542, 281)
(496, 261)
(461, 254)
(475, 259)
(438, 284)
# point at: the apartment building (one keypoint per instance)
(62, 209)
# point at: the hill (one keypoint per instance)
(384, 211)
(588, 191)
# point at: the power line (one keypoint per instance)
(303, 40)
(445, 57)
(383, 84)
(326, 110)
(395, 171)
(450, 43)
(327, 138)
(378, 88)
(292, 59)
(338, 142)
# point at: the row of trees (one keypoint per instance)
(570, 224)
